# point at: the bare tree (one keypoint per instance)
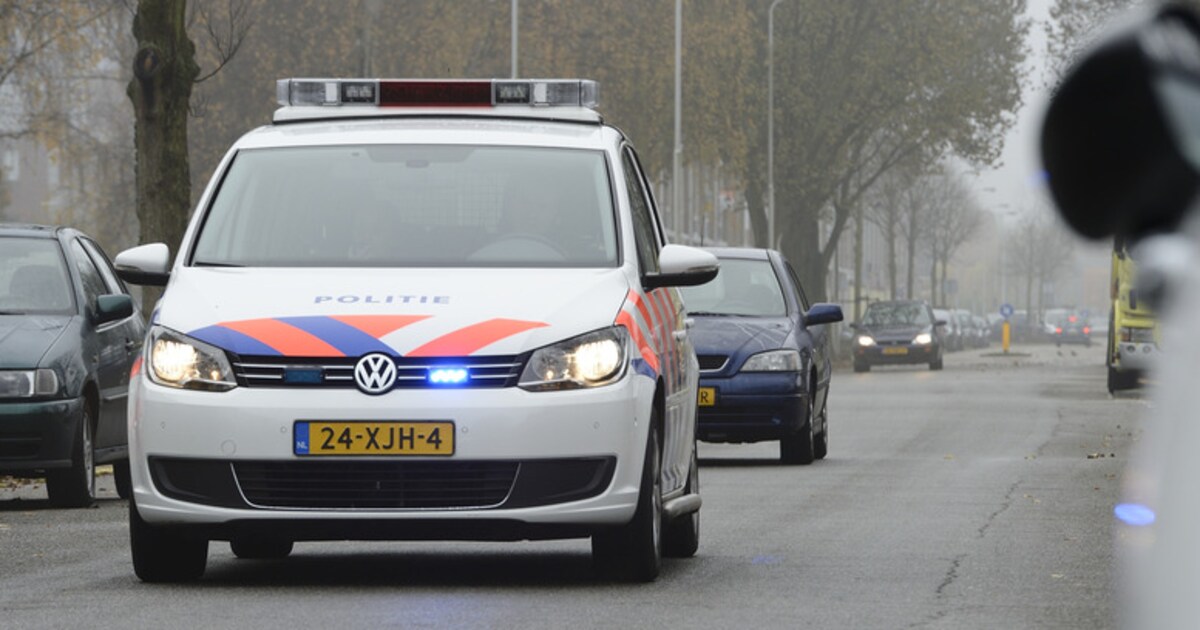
(165, 69)
(952, 219)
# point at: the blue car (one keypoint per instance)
(764, 355)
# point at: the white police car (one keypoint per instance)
(419, 310)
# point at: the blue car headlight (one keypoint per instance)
(773, 361)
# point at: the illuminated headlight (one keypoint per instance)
(591, 360)
(773, 361)
(923, 339)
(28, 383)
(865, 341)
(177, 360)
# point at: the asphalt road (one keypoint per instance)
(976, 497)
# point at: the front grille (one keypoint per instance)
(375, 485)
(338, 372)
(712, 362)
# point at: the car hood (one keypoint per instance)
(410, 312)
(738, 336)
(24, 339)
(893, 333)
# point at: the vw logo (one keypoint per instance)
(375, 374)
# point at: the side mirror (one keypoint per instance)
(113, 307)
(682, 266)
(145, 265)
(823, 314)
(1119, 142)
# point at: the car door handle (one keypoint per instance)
(679, 334)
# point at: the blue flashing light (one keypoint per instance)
(1134, 514)
(448, 376)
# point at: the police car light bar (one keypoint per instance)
(437, 93)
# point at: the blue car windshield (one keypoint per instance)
(896, 314)
(742, 287)
(33, 277)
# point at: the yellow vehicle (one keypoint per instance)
(1132, 327)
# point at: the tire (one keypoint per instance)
(862, 366)
(160, 555)
(76, 486)
(261, 548)
(798, 449)
(681, 538)
(633, 552)
(122, 479)
(821, 441)
(1120, 381)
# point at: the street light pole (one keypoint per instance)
(676, 184)
(513, 46)
(771, 123)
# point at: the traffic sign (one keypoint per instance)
(1006, 310)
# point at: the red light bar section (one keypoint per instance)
(435, 93)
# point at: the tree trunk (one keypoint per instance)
(910, 293)
(164, 72)
(891, 238)
(933, 277)
(858, 262)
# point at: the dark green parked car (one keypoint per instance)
(69, 335)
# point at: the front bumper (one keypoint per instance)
(1136, 356)
(525, 464)
(37, 436)
(895, 354)
(753, 407)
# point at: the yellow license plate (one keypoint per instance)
(373, 438)
(895, 350)
(707, 396)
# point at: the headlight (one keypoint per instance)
(28, 383)
(923, 339)
(177, 360)
(591, 360)
(773, 361)
(865, 341)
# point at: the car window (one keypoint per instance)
(644, 231)
(796, 283)
(896, 314)
(414, 206)
(100, 260)
(33, 277)
(742, 287)
(93, 283)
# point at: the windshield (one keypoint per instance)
(742, 287)
(896, 314)
(412, 206)
(33, 277)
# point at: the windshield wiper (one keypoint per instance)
(710, 314)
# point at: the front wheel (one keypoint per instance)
(682, 536)
(633, 552)
(161, 555)
(821, 442)
(76, 486)
(798, 448)
(122, 479)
